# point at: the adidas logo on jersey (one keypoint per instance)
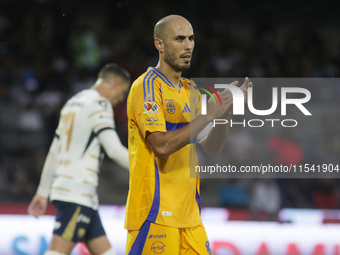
(186, 108)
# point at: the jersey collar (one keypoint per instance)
(164, 78)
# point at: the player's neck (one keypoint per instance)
(100, 89)
(173, 75)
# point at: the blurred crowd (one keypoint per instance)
(50, 50)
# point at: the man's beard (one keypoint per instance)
(170, 59)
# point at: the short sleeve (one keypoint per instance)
(146, 104)
(100, 115)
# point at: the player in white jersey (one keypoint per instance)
(70, 173)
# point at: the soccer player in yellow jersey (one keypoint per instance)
(163, 205)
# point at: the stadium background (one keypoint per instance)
(50, 50)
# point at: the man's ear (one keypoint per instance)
(159, 44)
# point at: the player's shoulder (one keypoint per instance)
(140, 79)
(143, 78)
(76, 101)
(94, 101)
(145, 81)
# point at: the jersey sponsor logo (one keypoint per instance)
(83, 218)
(186, 108)
(168, 100)
(170, 108)
(152, 119)
(150, 124)
(150, 108)
(153, 123)
(158, 247)
(156, 236)
(166, 213)
(207, 245)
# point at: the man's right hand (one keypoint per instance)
(215, 111)
(38, 206)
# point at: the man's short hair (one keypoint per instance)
(160, 28)
(113, 69)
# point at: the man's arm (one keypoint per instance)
(102, 121)
(164, 144)
(39, 203)
(114, 148)
(218, 135)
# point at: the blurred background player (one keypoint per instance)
(70, 173)
(164, 204)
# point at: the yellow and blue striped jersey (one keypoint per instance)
(161, 191)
